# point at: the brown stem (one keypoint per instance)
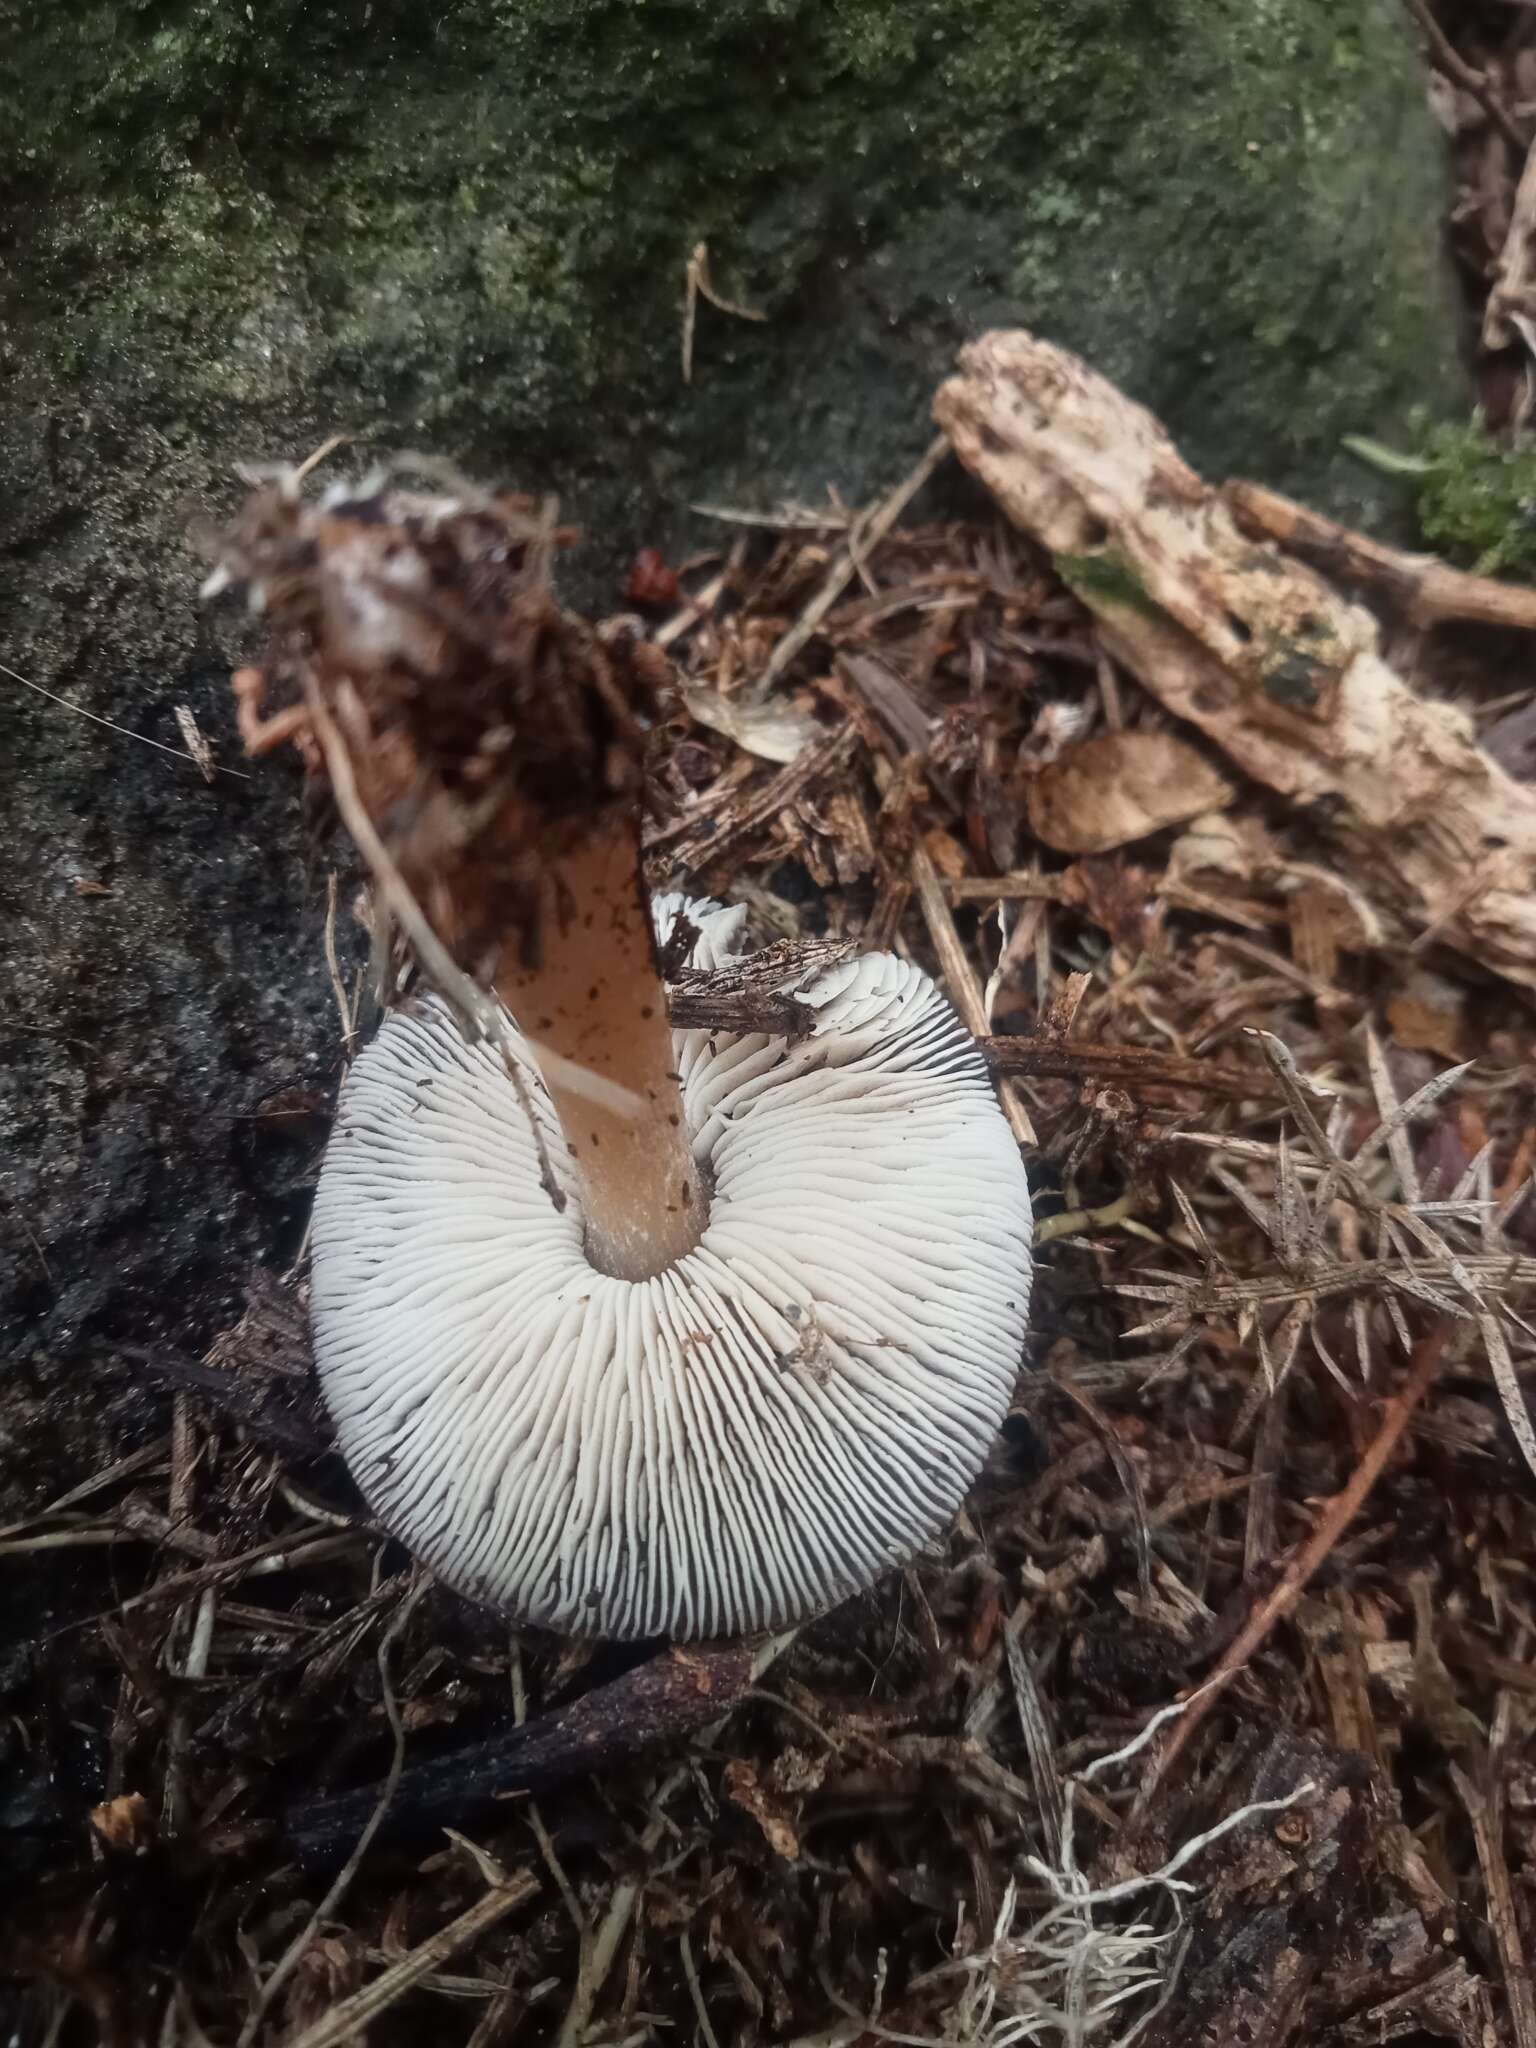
(589, 990)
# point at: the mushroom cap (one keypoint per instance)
(745, 1439)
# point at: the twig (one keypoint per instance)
(563, 1884)
(1039, 1742)
(1011, 888)
(333, 965)
(862, 535)
(660, 1703)
(1466, 75)
(696, 1993)
(1427, 588)
(293, 1955)
(1125, 1471)
(1131, 1066)
(1115, 1215)
(1485, 1810)
(346, 2022)
(1304, 1561)
(702, 603)
(130, 1467)
(964, 983)
(124, 731)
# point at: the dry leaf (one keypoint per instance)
(946, 853)
(1121, 786)
(1238, 848)
(745, 1789)
(773, 731)
(1429, 1015)
(126, 1823)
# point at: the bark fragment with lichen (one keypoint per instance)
(1254, 648)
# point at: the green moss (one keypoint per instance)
(1477, 499)
(470, 222)
(1105, 579)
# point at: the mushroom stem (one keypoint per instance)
(590, 990)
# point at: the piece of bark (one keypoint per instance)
(1452, 2005)
(759, 993)
(1280, 1903)
(1257, 650)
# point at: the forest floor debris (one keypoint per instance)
(1283, 1137)
(1270, 1471)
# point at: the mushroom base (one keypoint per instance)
(787, 1410)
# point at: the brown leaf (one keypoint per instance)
(126, 1823)
(946, 853)
(1121, 786)
(776, 731)
(745, 1789)
(1421, 1025)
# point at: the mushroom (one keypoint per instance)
(748, 1435)
(625, 1330)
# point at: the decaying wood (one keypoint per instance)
(1428, 589)
(1514, 284)
(1451, 2005)
(1283, 1892)
(1258, 651)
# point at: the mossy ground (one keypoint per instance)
(468, 225)
(1477, 498)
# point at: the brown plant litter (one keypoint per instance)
(1210, 1718)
